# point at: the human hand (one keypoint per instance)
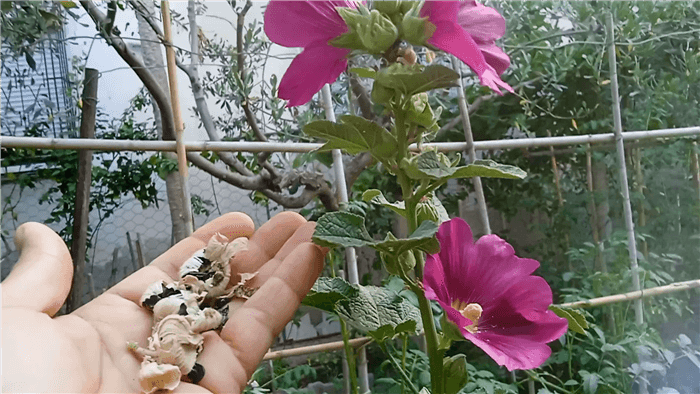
(86, 351)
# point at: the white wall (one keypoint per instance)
(119, 84)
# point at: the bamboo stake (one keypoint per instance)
(177, 117)
(131, 252)
(591, 303)
(471, 151)
(323, 347)
(600, 257)
(639, 183)
(634, 295)
(624, 184)
(560, 198)
(139, 251)
(696, 170)
(350, 254)
(301, 147)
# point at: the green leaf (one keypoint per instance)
(398, 264)
(421, 238)
(341, 229)
(363, 72)
(388, 331)
(380, 312)
(376, 197)
(489, 169)
(455, 375)
(434, 165)
(354, 135)
(348, 230)
(68, 4)
(326, 293)
(410, 80)
(30, 60)
(577, 322)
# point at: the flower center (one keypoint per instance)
(470, 311)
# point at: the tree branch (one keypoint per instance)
(134, 61)
(245, 103)
(312, 189)
(362, 97)
(243, 178)
(474, 106)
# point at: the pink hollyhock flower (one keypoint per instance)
(469, 31)
(490, 294)
(311, 25)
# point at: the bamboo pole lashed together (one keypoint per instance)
(301, 147)
(471, 151)
(78, 247)
(624, 185)
(177, 117)
(591, 303)
(350, 254)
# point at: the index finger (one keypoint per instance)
(251, 330)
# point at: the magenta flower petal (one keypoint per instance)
(310, 70)
(311, 25)
(514, 324)
(495, 57)
(468, 41)
(483, 23)
(300, 23)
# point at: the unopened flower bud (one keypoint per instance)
(426, 211)
(377, 33)
(388, 7)
(415, 29)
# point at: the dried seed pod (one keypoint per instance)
(174, 342)
(220, 249)
(154, 376)
(178, 318)
(194, 263)
(207, 319)
(184, 303)
(156, 292)
(210, 270)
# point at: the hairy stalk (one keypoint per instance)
(431, 339)
(397, 366)
(349, 355)
(411, 202)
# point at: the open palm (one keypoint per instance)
(86, 351)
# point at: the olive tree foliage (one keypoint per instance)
(559, 66)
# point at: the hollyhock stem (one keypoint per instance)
(431, 338)
(411, 203)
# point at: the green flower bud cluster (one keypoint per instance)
(376, 30)
(371, 30)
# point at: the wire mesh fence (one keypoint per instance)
(149, 229)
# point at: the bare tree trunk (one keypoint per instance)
(153, 59)
(78, 248)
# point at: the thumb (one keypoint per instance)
(41, 278)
